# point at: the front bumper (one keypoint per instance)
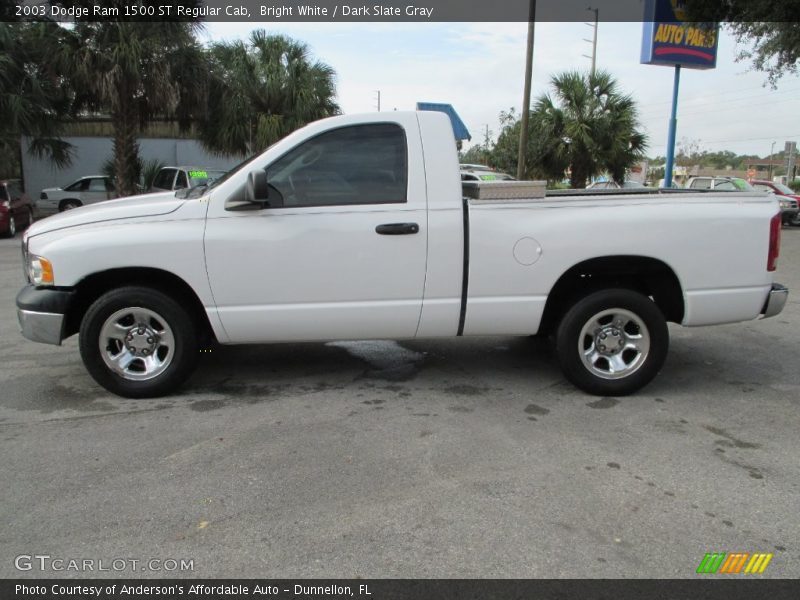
(42, 313)
(776, 300)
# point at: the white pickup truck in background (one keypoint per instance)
(356, 227)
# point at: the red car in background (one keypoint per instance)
(789, 210)
(16, 208)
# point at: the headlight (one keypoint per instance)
(40, 270)
(785, 204)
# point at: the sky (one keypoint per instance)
(479, 69)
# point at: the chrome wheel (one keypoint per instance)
(614, 343)
(136, 343)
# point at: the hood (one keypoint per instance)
(148, 205)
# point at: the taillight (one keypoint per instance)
(774, 242)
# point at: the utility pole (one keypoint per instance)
(526, 94)
(378, 92)
(486, 140)
(593, 41)
(771, 154)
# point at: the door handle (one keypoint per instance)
(397, 228)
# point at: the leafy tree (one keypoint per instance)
(32, 100)
(134, 72)
(478, 154)
(587, 126)
(767, 28)
(261, 90)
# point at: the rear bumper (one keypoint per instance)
(42, 313)
(776, 300)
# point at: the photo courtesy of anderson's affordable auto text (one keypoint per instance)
(399, 300)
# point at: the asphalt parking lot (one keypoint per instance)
(456, 458)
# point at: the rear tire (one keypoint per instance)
(612, 342)
(137, 342)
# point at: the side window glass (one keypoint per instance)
(97, 185)
(3, 193)
(701, 184)
(181, 181)
(14, 190)
(74, 187)
(725, 186)
(110, 185)
(164, 179)
(360, 164)
(85, 185)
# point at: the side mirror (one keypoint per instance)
(257, 194)
(257, 190)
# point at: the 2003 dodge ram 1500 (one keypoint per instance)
(356, 227)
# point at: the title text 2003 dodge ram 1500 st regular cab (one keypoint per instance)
(356, 227)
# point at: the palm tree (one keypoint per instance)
(32, 101)
(589, 125)
(262, 90)
(134, 72)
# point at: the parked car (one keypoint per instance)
(179, 178)
(86, 190)
(628, 184)
(719, 184)
(788, 198)
(304, 243)
(481, 173)
(16, 207)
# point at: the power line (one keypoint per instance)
(715, 103)
(735, 140)
(723, 93)
(725, 108)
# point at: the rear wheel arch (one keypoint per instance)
(646, 275)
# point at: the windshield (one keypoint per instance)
(784, 189)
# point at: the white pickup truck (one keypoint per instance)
(356, 227)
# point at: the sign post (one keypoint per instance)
(669, 41)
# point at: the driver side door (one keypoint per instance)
(321, 263)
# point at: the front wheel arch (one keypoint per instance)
(91, 287)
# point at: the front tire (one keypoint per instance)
(138, 342)
(612, 342)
